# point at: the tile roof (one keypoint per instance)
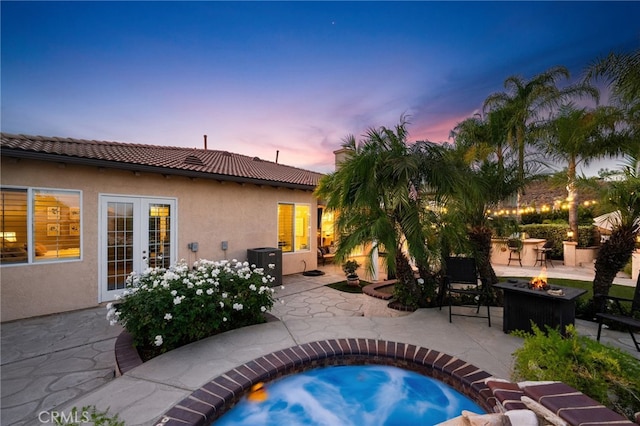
(221, 165)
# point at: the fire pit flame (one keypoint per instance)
(540, 282)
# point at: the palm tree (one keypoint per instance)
(483, 136)
(377, 193)
(577, 136)
(526, 100)
(621, 72)
(483, 184)
(622, 196)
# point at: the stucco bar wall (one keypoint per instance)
(209, 212)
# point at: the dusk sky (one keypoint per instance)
(293, 77)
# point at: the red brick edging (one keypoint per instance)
(372, 290)
(127, 357)
(560, 399)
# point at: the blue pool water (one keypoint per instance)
(352, 395)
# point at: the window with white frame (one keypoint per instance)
(294, 227)
(39, 225)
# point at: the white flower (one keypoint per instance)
(177, 300)
(199, 292)
(263, 309)
(281, 287)
(109, 306)
(221, 304)
(420, 281)
(224, 295)
(237, 306)
(113, 322)
(158, 341)
(168, 316)
(209, 291)
(252, 287)
(224, 319)
(174, 292)
(264, 280)
(272, 266)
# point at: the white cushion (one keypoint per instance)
(522, 417)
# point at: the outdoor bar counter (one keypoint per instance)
(523, 305)
(500, 251)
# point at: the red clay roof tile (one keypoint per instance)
(179, 160)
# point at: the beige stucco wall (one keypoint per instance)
(209, 212)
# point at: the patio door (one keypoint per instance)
(135, 233)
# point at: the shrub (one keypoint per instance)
(167, 308)
(587, 236)
(606, 374)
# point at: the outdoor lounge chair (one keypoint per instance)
(631, 320)
(325, 254)
(462, 279)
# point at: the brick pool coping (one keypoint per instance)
(556, 399)
(213, 399)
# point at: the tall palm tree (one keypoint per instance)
(525, 101)
(483, 184)
(482, 136)
(377, 193)
(622, 196)
(621, 72)
(578, 136)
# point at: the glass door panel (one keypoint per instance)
(159, 232)
(136, 233)
(119, 244)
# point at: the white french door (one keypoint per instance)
(135, 233)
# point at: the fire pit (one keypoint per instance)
(540, 282)
(539, 302)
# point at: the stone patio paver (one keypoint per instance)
(65, 360)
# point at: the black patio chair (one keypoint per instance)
(630, 320)
(462, 279)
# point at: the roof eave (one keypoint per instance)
(59, 158)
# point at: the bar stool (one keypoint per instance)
(542, 254)
(515, 247)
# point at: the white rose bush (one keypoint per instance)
(166, 308)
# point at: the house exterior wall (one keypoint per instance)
(209, 212)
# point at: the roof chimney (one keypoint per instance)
(205, 142)
(341, 155)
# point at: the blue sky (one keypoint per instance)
(293, 77)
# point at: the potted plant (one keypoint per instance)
(349, 267)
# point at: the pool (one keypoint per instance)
(351, 395)
(220, 395)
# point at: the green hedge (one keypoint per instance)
(606, 374)
(587, 236)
